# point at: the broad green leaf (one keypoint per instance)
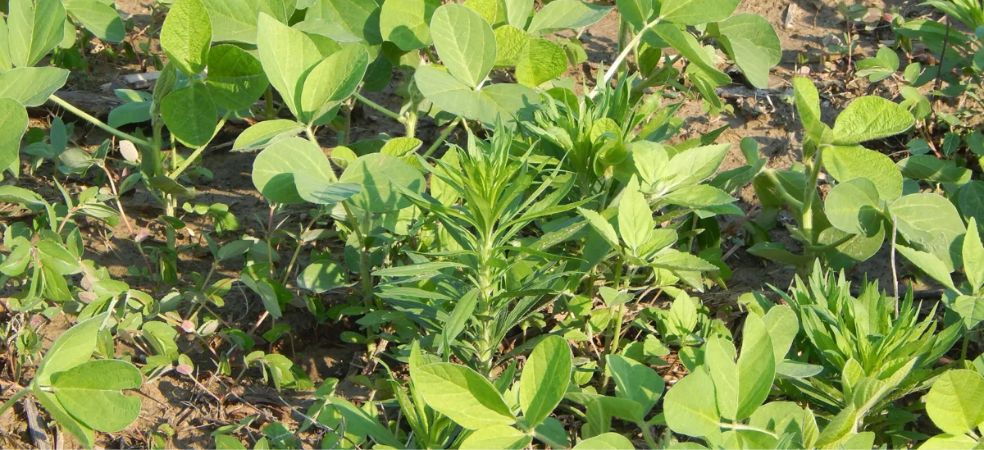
(359, 18)
(782, 326)
(846, 163)
(635, 218)
(287, 55)
(235, 77)
(970, 309)
(690, 408)
(98, 17)
(869, 118)
(694, 165)
(636, 12)
(719, 357)
(699, 196)
(807, 101)
(950, 442)
(498, 102)
(787, 417)
(545, 379)
(854, 250)
(34, 28)
(882, 66)
(186, 35)
(753, 44)
(510, 42)
(85, 435)
(382, 177)
(690, 48)
(931, 223)
(497, 437)
(601, 225)
(236, 20)
(313, 188)
(973, 255)
(265, 133)
(359, 422)
(605, 441)
(190, 114)
(493, 11)
(463, 395)
(955, 403)
(696, 12)
(13, 125)
(275, 167)
(91, 393)
(331, 81)
(71, 349)
(756, 366)
(540, 61)
(852, 207)
(224, 441)
(401, 146)
(518, 12)
(5, 63)
(566, 14)
(465, 42)
(31, 86)
(321, 276)
(635, 381)
(57, 258)
(682, 261)
(929, 263)
(405, 22)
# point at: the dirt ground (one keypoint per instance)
(193, 407)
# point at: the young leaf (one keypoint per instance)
(71, 349)
(186, 35)
(265, 133)
(566, 14)
(287, 55)
(636, 12)
(235, 77)
(465, 42)
(545, 379)
(497, 437)
(690, 48)
(34, 28)
(973, 256)
(5, 63)
(955, 403)
(869, 118)
(929, 263)
(382, 177)
(696, 12)
(846, 163)
(99, 17)
(807, 101)
(518, 12)
(782, 326)
(405, 22)
(688, 407)
(756, 366)
(190, 114)
(635, 381)
(539, 61)
(31, 86)
(91, 393)
(931, 223)
(334, 79)
(635, 218)
(601, 225)
(753, 44)
(852, 207)
(275, 167)
(461, 394)
(13, 125)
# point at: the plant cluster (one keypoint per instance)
(522, 263)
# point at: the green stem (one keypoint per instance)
(196, 154)
(621, 58)
(365, 271)
(442, 137)
(13, 400)
(647, 434)
(786, 196)
(98, 123)
(379, 108)
(813, 169)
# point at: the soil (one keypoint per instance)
(193, 406)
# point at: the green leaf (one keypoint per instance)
(5, 63)
(882, 66)
(498, 102)
(462, 394)
(636, 12)
(13, 125)
(540, 61)
(852, 207)
(689, 408)
(605, 441)
(566, 14)
(510, 43)
(235, 77)
(869, 118)
(465, 42)
(358, 18)
(753, 44)
(930, 264)
(682, 261)
(236, 20)
(601, 225)
(518, 12)
(545, 378)
(405, 22)
(401, 146)
(635, 218)
(56, 257)
(807, 101)
(955, 403)
(949, 442)
(84, 434)
(98, 17)
(275, 168)
(360, 423)
(635, 381)
(496, 437)
(71, 349)
(690, 48)
(331, 81)
(287, 55)
(696, 12)
(973, 255)
(91, 393)
(265, 133)
(190, 114)
(931, 223)
(851, 162)
(186, 35)
(382, 177)
(782, 326)
(970, 309)
(31, 86)
(224, 441)
(321, 276)
(493, 11)
(756, 366)
(34, 28)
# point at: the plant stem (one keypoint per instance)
(13, 400)
(379, 108)
(442, 137)
(195, 154)
(98, 123)
(629, 48)
(813, 169)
